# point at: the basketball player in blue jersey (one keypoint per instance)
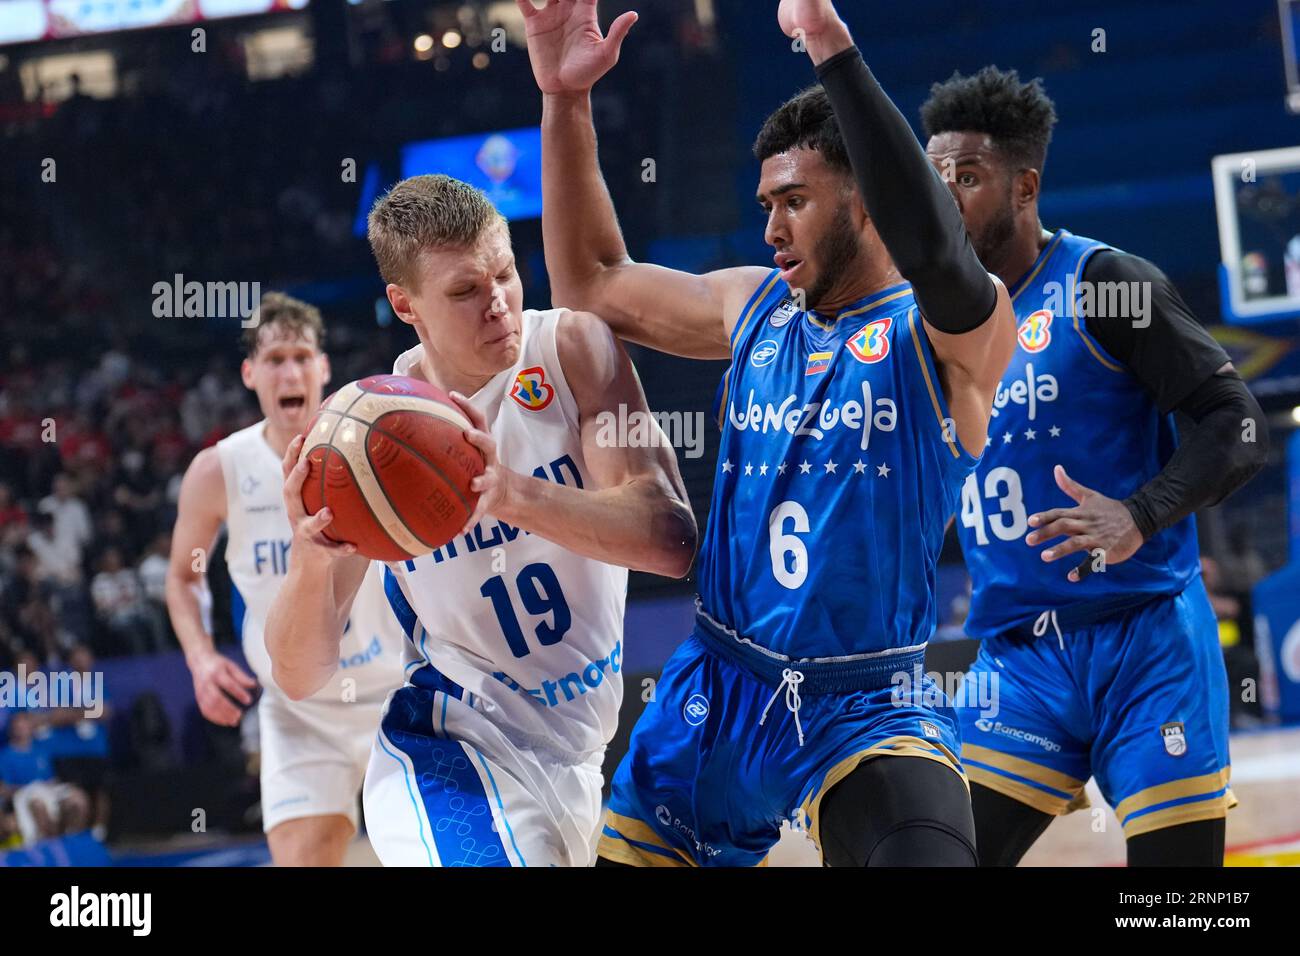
(1102, 644)
(863, 372)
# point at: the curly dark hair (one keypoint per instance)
(1018, 116)
(805, 121)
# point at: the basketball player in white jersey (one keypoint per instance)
(313, 750)
(491, 753)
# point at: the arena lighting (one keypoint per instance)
(451, 39)
(481, 60)
(423, 43)
(1295, 414)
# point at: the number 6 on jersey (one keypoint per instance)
(788, 552)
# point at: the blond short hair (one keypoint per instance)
(423, 213)
(292, 317)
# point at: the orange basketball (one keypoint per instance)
(388, 455)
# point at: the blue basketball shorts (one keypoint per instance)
(718, 760)
(1138, 700)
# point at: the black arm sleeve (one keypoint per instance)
(1167, 350)
(912, 209)
(1225, 448)
(1178, 362)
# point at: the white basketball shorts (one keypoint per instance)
(445, 787)
(314, 755)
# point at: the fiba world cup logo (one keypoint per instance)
(1035, 333)
(497, 157)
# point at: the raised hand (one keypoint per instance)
(568, 52)
(807, 18)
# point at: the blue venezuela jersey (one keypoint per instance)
(1065, 401)
(834, 478)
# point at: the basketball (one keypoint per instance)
(388, 456)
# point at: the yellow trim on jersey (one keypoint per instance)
(900, 746)
(1214, 808)
(759, 296)
(1074, 315)
(1204, 785)
(929, 384)
(1021, 768)
(1042, 261)
(848, 315)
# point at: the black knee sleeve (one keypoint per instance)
(1188, 844)
(1004, 828)
(898, 811)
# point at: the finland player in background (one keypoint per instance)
(491, 753)
(314, 745)
(1107, 664)
(863, 372)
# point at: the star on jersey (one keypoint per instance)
(1030, 434)
(805, 468)
(762, 469)
(859, 467)
(1054, 431)
(780, 469)
(749, 469)
(830, 467)
(727, 466)
(882, 471)
(1006, 438)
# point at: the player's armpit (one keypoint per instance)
(971, 364)
(675, 312)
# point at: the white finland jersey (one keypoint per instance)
(526, 632)
(257, 556)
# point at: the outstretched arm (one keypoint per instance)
(634, 511)
(967, 312)
(588, 262)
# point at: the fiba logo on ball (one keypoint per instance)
(696, 710)
(1175, 738)
(764, 353)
